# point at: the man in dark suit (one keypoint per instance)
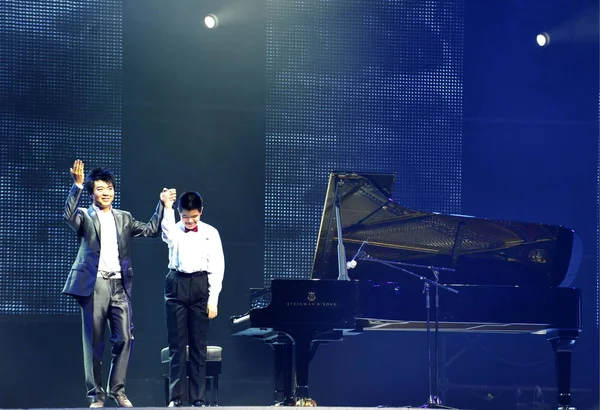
(101, 277)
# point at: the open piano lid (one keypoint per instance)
(481, 251)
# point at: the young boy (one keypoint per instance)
(192, 287)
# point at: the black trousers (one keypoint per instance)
(109, 303)
(186, 296)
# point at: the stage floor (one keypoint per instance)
(268, 408)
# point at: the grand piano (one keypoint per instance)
(483, 276)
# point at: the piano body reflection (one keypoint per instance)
(511, 278)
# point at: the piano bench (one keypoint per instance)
(213, 370)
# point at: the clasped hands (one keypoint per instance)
(168, 197)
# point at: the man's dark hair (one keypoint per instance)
(189, 201)
(99, 174)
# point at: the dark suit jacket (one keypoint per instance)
(82, 278)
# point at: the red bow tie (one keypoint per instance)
(194, 229)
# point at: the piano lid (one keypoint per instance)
(481, 251)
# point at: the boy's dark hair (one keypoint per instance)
(189, 201)
(99, 174)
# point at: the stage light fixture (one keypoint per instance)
(542, 39)
(211, 21)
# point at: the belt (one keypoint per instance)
(109, 275)
(187, 274)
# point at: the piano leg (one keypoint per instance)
(562, 342)
(292, 360)
(284, 371)
(303, 344)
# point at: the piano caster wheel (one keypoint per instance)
(305, 402)
(298, 402)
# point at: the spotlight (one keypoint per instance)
(542, 39)
(211, 21)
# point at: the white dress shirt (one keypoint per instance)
(195, 252)
(109, 246)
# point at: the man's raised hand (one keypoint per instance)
(77, 171)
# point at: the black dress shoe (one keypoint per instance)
(175, 403)
(198, 403)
